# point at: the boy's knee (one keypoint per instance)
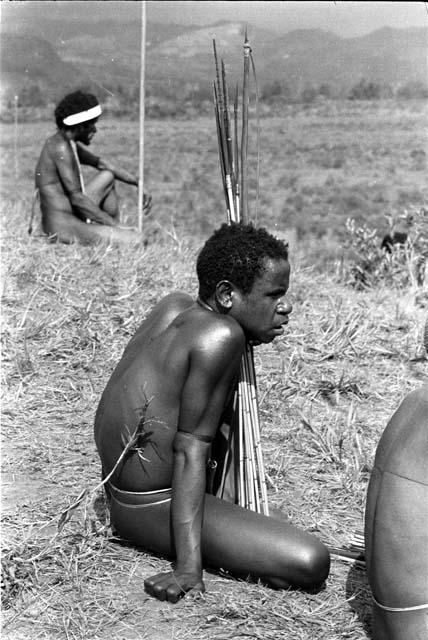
(314, 564)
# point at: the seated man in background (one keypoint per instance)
(71, 210)
(163, 407)
(396, 527)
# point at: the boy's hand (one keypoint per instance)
(173, 585)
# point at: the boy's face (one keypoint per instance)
(264, 310)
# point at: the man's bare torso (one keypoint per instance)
(56, 158)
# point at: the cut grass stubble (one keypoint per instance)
(326, 390)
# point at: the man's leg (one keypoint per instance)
(78, 231)
(101, 189)
(396, 524)
(396, 553)
(399, 625)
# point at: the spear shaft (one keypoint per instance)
(236, 150)
(142, 115)
(220, 146)
(244, 138)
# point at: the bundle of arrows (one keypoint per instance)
(247, 452)
(245, 446)
(354, 552)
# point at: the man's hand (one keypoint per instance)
(147, 204)
(173, 585)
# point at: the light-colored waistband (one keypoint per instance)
(148, 498)
(139, 493)
(418, 607)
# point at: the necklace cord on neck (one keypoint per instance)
(203, 304)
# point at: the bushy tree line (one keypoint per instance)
(189, 99)
(277, 91)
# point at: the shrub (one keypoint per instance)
(365, 90)
(413, 90)
(368, 264)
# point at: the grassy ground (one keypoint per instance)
(326, 388)
(319, 165)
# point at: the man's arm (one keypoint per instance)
(129, 178)
(86, 156)
(89, 158)
(213, 366)
(83, 206)
(120, 174)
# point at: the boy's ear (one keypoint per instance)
(224, 294)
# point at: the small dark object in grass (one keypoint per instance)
(390, 239)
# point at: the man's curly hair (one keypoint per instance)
(237, 253)
(73, 103)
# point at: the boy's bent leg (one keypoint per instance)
(249, 544)
(234, 539)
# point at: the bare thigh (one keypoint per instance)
(99, 186)
(398, 573)
(78, 231)
(397, 555)
(400, 625)
(235, 540)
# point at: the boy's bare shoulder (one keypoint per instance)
(214, 330)
(172, 305)
(201, 329)
(177, 299)
(166, 310)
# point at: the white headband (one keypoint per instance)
(83, 116)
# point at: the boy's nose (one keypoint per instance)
(284, 308)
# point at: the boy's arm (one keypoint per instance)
(212, 369)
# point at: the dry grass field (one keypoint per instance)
(326, 388)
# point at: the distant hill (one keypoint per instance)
(61, 54)
(27, 59)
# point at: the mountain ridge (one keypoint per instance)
(108, 53)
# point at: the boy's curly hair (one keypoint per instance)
(73, 103)
(237, 253)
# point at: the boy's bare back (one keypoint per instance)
(151, 381)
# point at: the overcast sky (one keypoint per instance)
(344, 18)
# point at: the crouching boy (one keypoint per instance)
(168, 393)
